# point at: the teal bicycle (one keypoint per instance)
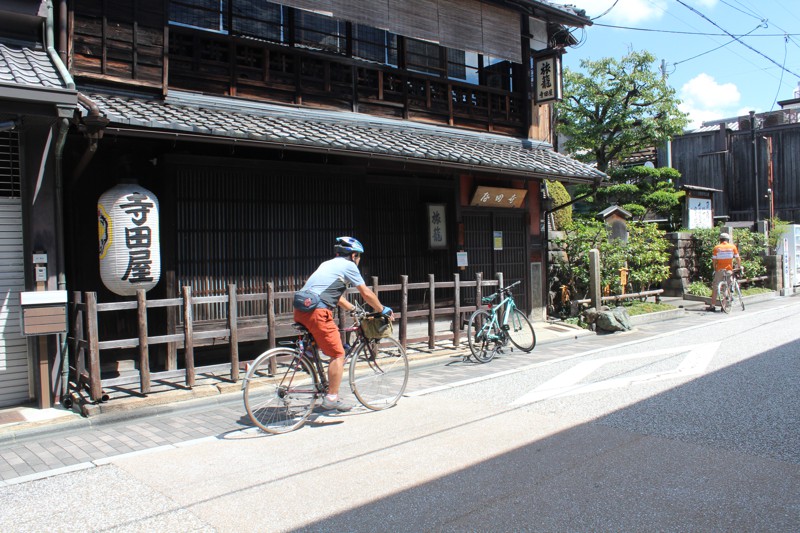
(489, 331)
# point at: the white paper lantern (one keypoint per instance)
(130, 249)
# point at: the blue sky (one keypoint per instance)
(726, 82)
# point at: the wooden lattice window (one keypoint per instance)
(10, 172)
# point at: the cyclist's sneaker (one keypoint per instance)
(338, 404)
(711, 309)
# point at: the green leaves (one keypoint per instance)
(645, 192)
(613, 108)
(646, 255)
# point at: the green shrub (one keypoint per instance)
(777, 229)
(698, 288)
(751, 250)
(645, 255)
(563, 217)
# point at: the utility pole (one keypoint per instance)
(755, 166)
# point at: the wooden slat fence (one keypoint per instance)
(86, 346)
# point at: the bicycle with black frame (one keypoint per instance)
(282, 386)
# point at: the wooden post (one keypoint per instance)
(478, 289)
(172, 323)
(594, 278)
(188, 335)
(403, 310)
(271, 340)
(456, 310)
(431, 313)
(144, 348)
(78, 355)
(233, 327)
(43, 393)
(95, 387)
(375, 285)
(499, 277)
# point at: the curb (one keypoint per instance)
(752, 298)
(658, 316)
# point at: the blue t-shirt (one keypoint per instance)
(331, 279)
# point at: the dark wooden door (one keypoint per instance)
(512, 260)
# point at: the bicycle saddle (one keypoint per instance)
(300, 327)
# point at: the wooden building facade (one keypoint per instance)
(266, 129)
(754, 168)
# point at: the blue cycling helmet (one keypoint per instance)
(348, 245)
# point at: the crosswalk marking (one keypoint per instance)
(572, 381)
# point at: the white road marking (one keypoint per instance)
(572, 381)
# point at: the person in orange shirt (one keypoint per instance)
(723, 257)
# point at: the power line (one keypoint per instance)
(780, 82)
(718, 47)
(702, 34)
(606, 12)
(750, 14)
(736, 38)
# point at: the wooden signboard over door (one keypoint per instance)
(498, 197)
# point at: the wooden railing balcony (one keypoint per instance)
(277, 73)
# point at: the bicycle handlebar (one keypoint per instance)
(503, 290)
(359, 313)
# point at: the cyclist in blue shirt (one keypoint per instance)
(314, 304)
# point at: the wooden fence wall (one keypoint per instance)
(726, 162)
(86, 346)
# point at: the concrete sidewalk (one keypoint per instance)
(17, 422)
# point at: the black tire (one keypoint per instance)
(379, 373)
(480, 330)
(724, 296)
(520, 331)
(280, 391)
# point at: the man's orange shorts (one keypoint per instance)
(321, 325)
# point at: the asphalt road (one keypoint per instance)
(689, 425)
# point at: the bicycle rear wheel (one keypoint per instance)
(520, 331)
(481, 329)
(724, 296)
(738, 292)
(379, 373)
(280, 391)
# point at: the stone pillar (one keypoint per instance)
(679, 264)
(594, 278)
(538, 306)
(774, 264)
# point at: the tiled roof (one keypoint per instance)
(351, 133)
(26, 66)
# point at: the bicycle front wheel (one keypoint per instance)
(724, 296)
(738, 292)
(379, 373)
(520, 331)
(280, 391)
(481, 330)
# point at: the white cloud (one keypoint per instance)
(626, 12)
(705, 99)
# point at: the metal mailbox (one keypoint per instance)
(43, 312)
